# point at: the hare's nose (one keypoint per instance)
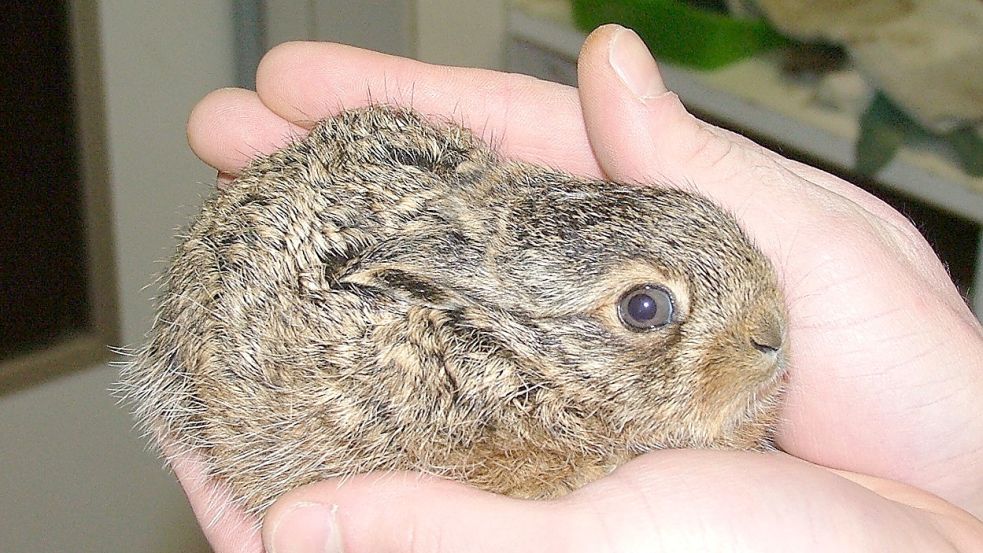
(767, 336)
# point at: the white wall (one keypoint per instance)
(73, 477)
(450, 32)
(461, 32)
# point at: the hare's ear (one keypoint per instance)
(395, 137)
(403, 282)
(425, 265)
(411, 267)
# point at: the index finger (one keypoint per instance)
(523, 117)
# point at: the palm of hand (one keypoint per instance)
(877, 329)
(885, 356)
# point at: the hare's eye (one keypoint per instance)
(646, 307)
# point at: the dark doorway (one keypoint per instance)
(43, 287)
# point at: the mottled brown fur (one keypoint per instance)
(389, 294)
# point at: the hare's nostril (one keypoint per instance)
(765, 346)
(767, 338)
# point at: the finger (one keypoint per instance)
(736, 501)
(223, 180)
(639, 131)
(524, 117)
(619, 82)
(231, 126)
(408, 512)
(963, 531)
(227, 528)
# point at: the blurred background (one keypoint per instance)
(96, 93)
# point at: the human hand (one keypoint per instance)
(885, 360)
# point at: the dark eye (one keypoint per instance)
(646, 307)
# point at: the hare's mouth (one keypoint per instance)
(776, 379)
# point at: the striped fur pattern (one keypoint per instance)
(389, 294)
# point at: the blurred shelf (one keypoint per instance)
(752, 95)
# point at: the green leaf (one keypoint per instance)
(680, 33)
(968, 145)
(883, 128)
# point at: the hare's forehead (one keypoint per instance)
(630, 213)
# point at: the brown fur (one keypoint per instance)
(389, 294)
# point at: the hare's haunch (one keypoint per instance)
(388, 293)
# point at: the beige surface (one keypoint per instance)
(927, 55)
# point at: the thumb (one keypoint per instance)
(639, 130)
(405, 512)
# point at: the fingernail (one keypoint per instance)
(634, 65)
(223, 180)
(306, 528)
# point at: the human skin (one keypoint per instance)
(883, 421)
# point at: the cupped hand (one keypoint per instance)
(886, 359)
(678, 500)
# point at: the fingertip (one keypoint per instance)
(283, 53)
(618, 52)
(631, 61)
(596, 41)
(278, 72)
(223, 180)
(304, 527)
(231, 126)
(201, 120)
(638, 129)
(593, 53)
(304, 82)
(208, 123)
(308, 518)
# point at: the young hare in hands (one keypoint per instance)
(389, 294)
